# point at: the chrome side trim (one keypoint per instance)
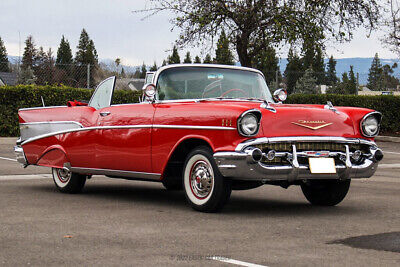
(194, 127)
(34, 108)
(33, 129)
(120, 173)
(294, 139)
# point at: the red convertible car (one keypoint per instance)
(208, 129)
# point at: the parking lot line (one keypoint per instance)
(389, 166)
(24, 177)
(236, 262)
(8, 159)
(390, 152)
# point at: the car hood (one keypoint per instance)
(310, 120)
(303, 120)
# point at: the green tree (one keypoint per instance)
(164, 63)
(197, 60)
(313, 58)
(375, 74)
(188, 58)
(30, 53)
(154, 67)
(44, 68)
(307, 84)
(267, 62)
(389, 82)
(174, 57)
(207, 59)
(64, 54)
(143, 71)
(223, 54)
(4, 64)
(293, 71)
(331, 77)
(253, 25)
(85, 55)
(352, 88)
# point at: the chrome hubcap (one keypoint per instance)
(63, 175)
(201, 179)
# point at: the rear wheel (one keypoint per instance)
(205, 188)
(325, 192)
(68, 182)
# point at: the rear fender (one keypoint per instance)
(54, 157)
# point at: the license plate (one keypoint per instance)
(322, 165)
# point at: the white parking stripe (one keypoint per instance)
(389, 166)
(236, 262)
(25, 177)
(390, 152)
(8, 159)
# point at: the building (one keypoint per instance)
(8, 78)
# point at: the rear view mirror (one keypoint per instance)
(149, 92)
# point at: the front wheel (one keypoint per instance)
(325, 192)
(68, 182)
(205, 188)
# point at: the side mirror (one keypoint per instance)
(280, 95)
(149, 92)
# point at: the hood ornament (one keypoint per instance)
(331, 107)
(268, 106)
(306, 124)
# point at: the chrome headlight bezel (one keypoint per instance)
(249, 114)
(378, 117)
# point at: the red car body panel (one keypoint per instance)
(148, 147)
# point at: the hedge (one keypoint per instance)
(13, 98)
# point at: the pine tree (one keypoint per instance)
(312, 57)
(293, 70)
(143, 71)
(64, 54)
(352, 84)
(85, 55)
(44, 68)
(30, 52)
(207, 59)
(223, 54)
(154, 67)
(197, 60)
(174, 58)
(164, 63)
(267, 62)
(4, 64)
(331, 78)
(188, 58)
(375, 74)
(123, 75)
(307, 84)
(388, 80)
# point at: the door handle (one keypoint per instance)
(105, 113)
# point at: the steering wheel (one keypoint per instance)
(235, 90)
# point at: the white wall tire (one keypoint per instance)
(205, 188)
(68, 182)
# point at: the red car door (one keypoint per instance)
(125, 137)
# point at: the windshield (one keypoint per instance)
(205, 82)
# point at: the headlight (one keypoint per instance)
(249, 123)
(370, 124)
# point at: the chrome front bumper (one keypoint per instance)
(240, 164)
(20, 155)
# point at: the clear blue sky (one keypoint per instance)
(117, 32)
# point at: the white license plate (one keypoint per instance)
(322, 165)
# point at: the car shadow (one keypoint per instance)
(156, 195)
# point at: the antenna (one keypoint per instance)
(42, 101)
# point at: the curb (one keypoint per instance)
(392, 139)
(8, 140)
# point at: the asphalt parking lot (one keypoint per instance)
(118, 222)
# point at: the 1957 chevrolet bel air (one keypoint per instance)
(208, 129)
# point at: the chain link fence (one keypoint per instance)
(131, 78)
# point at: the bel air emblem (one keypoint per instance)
(313, 125)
